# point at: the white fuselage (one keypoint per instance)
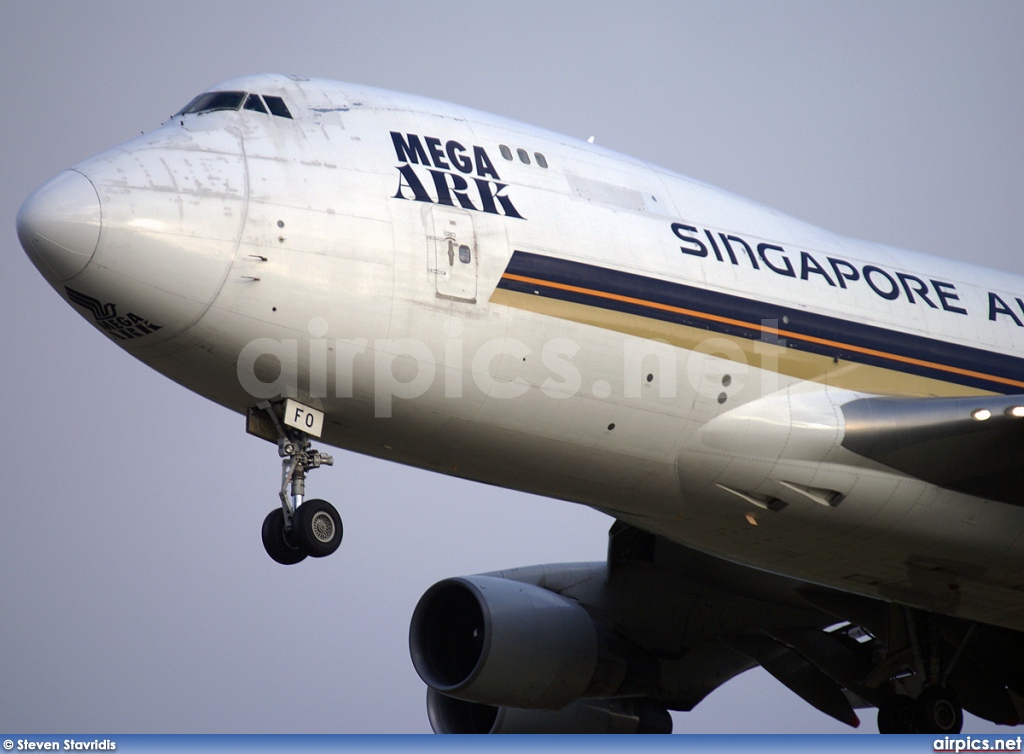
(380, 258)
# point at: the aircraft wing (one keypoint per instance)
(609, 647)
(971, 445)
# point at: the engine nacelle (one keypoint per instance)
(505, 643)
(450, 715)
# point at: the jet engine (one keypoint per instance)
(496, 652)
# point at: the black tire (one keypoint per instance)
(898, 714)
(277, 542)
(317, 528)
(939, 711)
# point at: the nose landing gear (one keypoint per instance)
(298, 529)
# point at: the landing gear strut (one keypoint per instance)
(936, 708)
(298, 529)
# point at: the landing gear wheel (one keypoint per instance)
(897, 715)
(317, 528)
(938, 711)
(278, 542)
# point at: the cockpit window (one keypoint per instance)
(277, 106)
(253, 102)
(211, 101)
(206, 103)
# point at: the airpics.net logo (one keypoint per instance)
(977, 743)
(505, 368)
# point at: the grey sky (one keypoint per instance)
(135, 595)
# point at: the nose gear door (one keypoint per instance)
(453, 262)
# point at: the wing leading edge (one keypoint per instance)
(972, 445)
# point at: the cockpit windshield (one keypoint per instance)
(211, 101)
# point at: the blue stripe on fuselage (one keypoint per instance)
(757, 320)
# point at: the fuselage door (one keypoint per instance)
(454, 264)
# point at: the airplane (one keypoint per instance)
(811, 445)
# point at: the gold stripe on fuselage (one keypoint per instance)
(757, 353)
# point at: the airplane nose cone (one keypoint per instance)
(59, 225)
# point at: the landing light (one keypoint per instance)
(1017, 411)
(981, 414)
